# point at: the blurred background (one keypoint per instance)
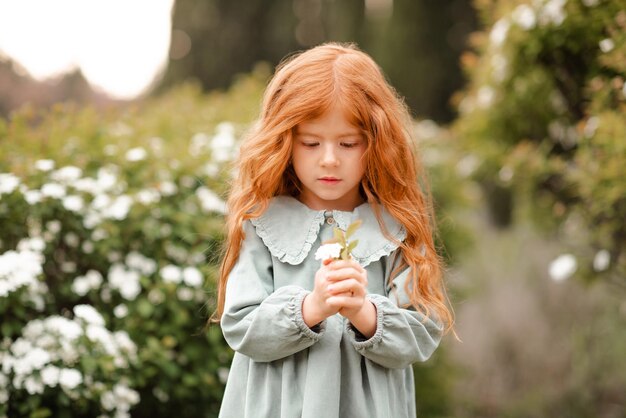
(118, 123)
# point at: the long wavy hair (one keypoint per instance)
(304, 86)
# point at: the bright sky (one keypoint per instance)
(121, 46)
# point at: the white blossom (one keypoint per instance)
(499, 32)
(73, 203)
(184, 294)
(327, 251)
(192, 277)
(607, 45)
(563, 267)
(223, 142)
(601, 260)
(119, 208)
(33, 197)
(524, 16)
(33, 385)
(50, 375)
(120, 311)
(167, 188)
(8, 183)
(148, 196)
(70, 378)
(485, 96)
(66, 175)
(125, 281)
(209, 201)
(53, 190)
(44, 165)
(136, 154)
(552, 12)
(107, 177)
(89, 314)
(141, 263)
(171, 274)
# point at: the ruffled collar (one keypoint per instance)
(289, 229)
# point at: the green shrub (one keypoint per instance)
(544, 117)
(111, 223)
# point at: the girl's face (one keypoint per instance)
(327, 158)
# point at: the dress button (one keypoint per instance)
(330, 221)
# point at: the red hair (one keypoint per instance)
(304, 87)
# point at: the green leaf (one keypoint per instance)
(331, 241)
(339, 236)
(353, 227)
(352, 245)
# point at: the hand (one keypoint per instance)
(347, 286)
(315, 307)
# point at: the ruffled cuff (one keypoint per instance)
(359, 341)
(295, 305)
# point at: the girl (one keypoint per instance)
(332, 146)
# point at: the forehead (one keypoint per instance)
(336, 120)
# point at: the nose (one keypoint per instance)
(329, 156)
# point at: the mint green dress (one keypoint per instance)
(282, 368)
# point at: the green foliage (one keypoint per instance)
(544, 116)
(118, 210)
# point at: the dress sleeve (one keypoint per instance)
(258, 321)
(403, 335)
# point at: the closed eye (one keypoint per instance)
(350, 144)
(310, 144)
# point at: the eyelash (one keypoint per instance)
(343, 144)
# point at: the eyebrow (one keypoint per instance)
(343, 135)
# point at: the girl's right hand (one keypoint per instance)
(314, 307)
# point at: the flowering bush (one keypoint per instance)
(543, 121)
(110, 227)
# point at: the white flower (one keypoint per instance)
(73, 203)
(223, 142)
(44, 165)
(35, 244)
(120, 311)
(53, 190)
(125, 281)
(136, 154)
(89, 314)
(601, 260)
(199, 142)
(563, 267)
(171, 274)
(524, 16)
(590, 3)
(485, 96)
(168, 188)
(50, 375)
(499, 32)
(70, 378)
(90, 281)
(327, 251)
(63, 327)
(119, 208)
(141, 263)
(192, 277)
(33, 386)
(184, 294)
(209, 201)
(67, 175)
(552, 12)
(8, 183)
(607, 45)
(32, 196)
(107, 177)
(87, 185)
(148, 196)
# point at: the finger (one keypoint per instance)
(340, 264)
(346, 273)
(348, 285)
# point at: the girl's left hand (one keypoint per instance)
(348, 286)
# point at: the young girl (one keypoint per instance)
(331, 339)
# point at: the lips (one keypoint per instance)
(329, 180)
